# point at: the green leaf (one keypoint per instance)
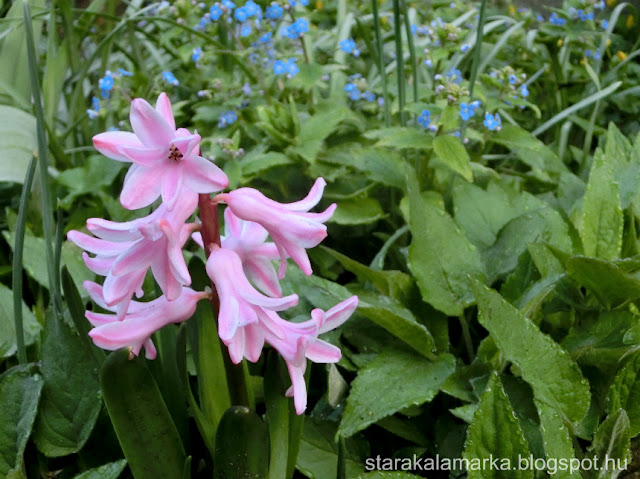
(624, 391)
(106, 471)
(382, 310)
(357, 211)
(612, 445)
(401, 138)
(71, 400)
(602, 218)
(440, 256)
(496, 434)
(315, 129)
(242, 445)
(8, 346)
(318, 456)
(415, 380)
(145, 430)
(528, 148)
(19, 395)
(557, 440)
(97, 173)
(18, 142)
(276, 382)
(554, 377)
(451, 152)
(254, 163)
(390, 283)
(611, 285)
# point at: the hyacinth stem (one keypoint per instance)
(237, 374)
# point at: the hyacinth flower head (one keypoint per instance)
(291, 227)
(165, 160)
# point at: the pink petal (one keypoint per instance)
(298, 388)
(171, 184)
(162, 272)
(150, 349)
(117, 288)
(98, 246)
(260, 270)
(99, 265)
(228, 318)
(110, 142)
(232, 224)
(149, 125)
(138, 257)
(163, 106)
(141, 187)
(322, 352)
(312, 199)
(144, 156)
(337, 315)
(202, 176)
(236, 346)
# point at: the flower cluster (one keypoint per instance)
(166, 164)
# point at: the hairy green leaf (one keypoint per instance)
(451, 152)
(624, 392)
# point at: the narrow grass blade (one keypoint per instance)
(400, 80)
(412, 50)
(16, 281)
(477, 48)
(43, 163)
(381, 68)
(578, 106)
(498, 45)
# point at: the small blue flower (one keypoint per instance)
(228, 4)
(292, 68)
(524, 91)
(274, 11)
(492, 122)
(540, 18)
(554, 19)
(454, 75)
(196, 54)
(92, 114)
(605, 24)
(347, 45)
(215, 12)
(246, 89)
(424, 119)
(354, 94)
(266, 38)
(465, 48)
(301, 26)
(467, 110)
(245, 30)
(95, 103)
(113, 128)
(227, 118)
(599, 5)
(368, 96)
(428, 62)
(169, 78)
(279, 67)
(512, 79)
(241, 14)
(124, 72)
(106, 84)
(349, 87)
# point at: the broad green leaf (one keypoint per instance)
(600, 341)
(382, 166)
(528, 148)
(382, 310)
(557, 440)
(390, 283)
(106, 471)
(624, 162)
(554, 377)
(98, 172)
(495, 433)
(242, 445)
(401, 138)
(358, 211)
(612, 446)
(610, 284)
(8, 346)
(624, 392)
(18, 142)
(315, 129)
(71, 399)
(602, 218)
(318, 456)
(416, 381)
(19, 395)
(451, 152)
(254, 163)
(440, 256)
(145, 430)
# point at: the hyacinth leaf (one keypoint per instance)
(276, 382)
(106, 471)
(602, 218)
(441, 257)
(31, 327)
(145, 430)
(242, 445)
(556, 438)
(368, 402)
(554, 377)
(624, 391)
(450, 151)
(496, 433)
(76, 311)
(70, 401)
(19, 396)
(612, 445)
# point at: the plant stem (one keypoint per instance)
(397, 28)
(210, 230)
(467, 337)
(477, 52)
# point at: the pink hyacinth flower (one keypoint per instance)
(140, 322)
(125, 251)
(291, 227)
(165, 160)
(240, 303)
(300, 342)
(247, 239)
